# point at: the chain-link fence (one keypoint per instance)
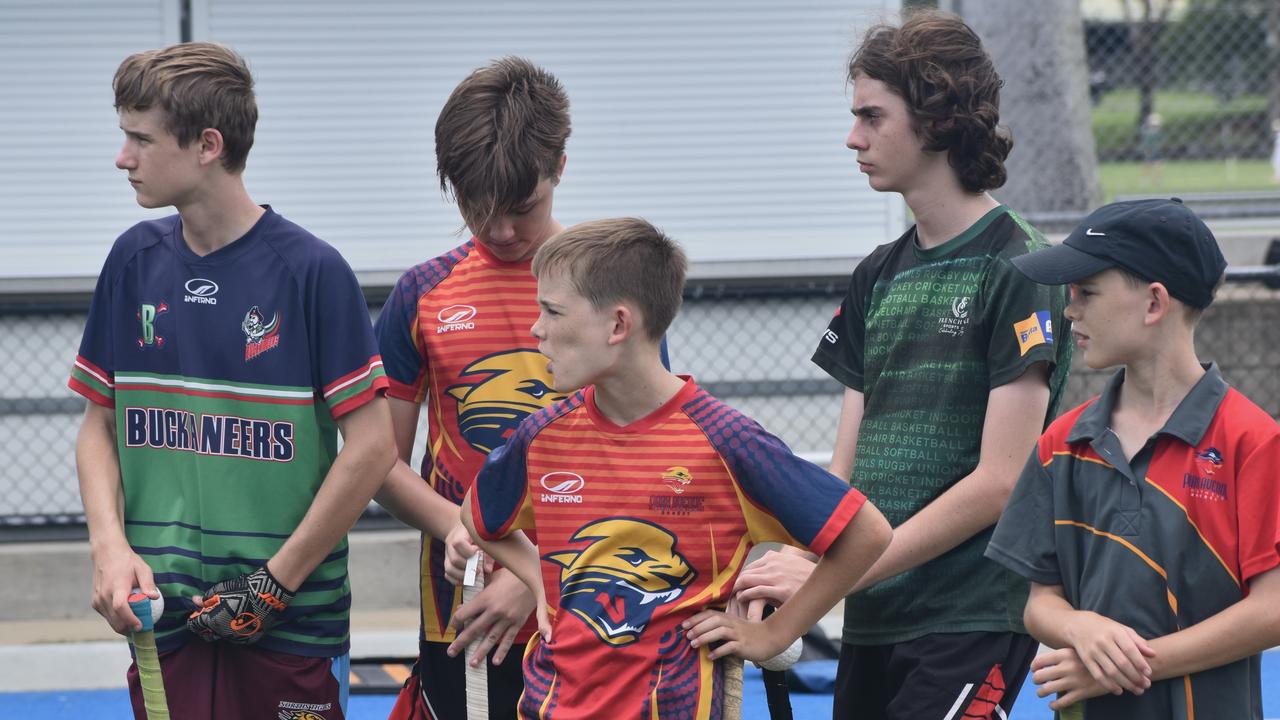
(1185, 90)
(750, 346)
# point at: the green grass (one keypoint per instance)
(1188, 176)
(1186, 117)
(1117, 112)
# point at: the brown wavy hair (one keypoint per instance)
(937, 64)
(502, 130)
(195, 85)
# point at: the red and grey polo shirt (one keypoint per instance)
(1160, 541)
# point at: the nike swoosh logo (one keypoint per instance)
(1094, 234)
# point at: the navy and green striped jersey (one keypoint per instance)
(925, 335)
(226, 373)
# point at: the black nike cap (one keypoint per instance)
(1158, 240)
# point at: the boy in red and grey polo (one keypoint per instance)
(1148, 518)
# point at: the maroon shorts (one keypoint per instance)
(204, 681)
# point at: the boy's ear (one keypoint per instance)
(1159, 303)
(564, 158)
(211, 145)
(623, 320)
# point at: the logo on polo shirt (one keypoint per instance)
(1203, 486)
(562, 487)
(1037, 329)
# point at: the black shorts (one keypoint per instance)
(438, 688)
(946, 676)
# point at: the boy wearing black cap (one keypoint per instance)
(1147, 520)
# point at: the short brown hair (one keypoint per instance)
(1190, 313)
(502, 130)
(937, 64)
(196, 86)
(623, 259)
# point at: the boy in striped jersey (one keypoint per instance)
(646, 494)
(224, 348)
(455, 336)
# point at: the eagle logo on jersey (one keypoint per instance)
(497, 392)
(630, 569)
(260, 336)
(677, 478)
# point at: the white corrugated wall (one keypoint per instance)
(721, 121)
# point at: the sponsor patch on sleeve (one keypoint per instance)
(1037, 329)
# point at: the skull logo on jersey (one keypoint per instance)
(260, 336)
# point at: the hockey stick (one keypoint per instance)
(146, 657)
(477, 676)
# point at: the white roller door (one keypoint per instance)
(721, 121)
(62, 201)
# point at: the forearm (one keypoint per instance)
(513, 552)
(98, 470)
(367, 455)
(1048, 616)
(1243, 629)
(412, 500)
(965, 509)
(854, 550)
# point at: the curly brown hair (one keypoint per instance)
(937, 64)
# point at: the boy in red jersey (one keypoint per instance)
(646, 494)
(454, 334)
(1147, 519)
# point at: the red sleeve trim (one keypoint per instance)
(92, 395)
(849, 506)
(401, 391)
(1255, 567)
(378, 385)
(374, 362)
(102, 375)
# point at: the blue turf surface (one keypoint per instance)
(114, 704)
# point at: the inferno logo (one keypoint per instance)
(497, 391)
(456, 317)
(628, 570)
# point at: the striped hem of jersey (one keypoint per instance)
(92, 382)
(358, 390)
(248, 563)
(271, 394)
(204, 531)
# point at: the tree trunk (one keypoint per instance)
(1038, 48)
